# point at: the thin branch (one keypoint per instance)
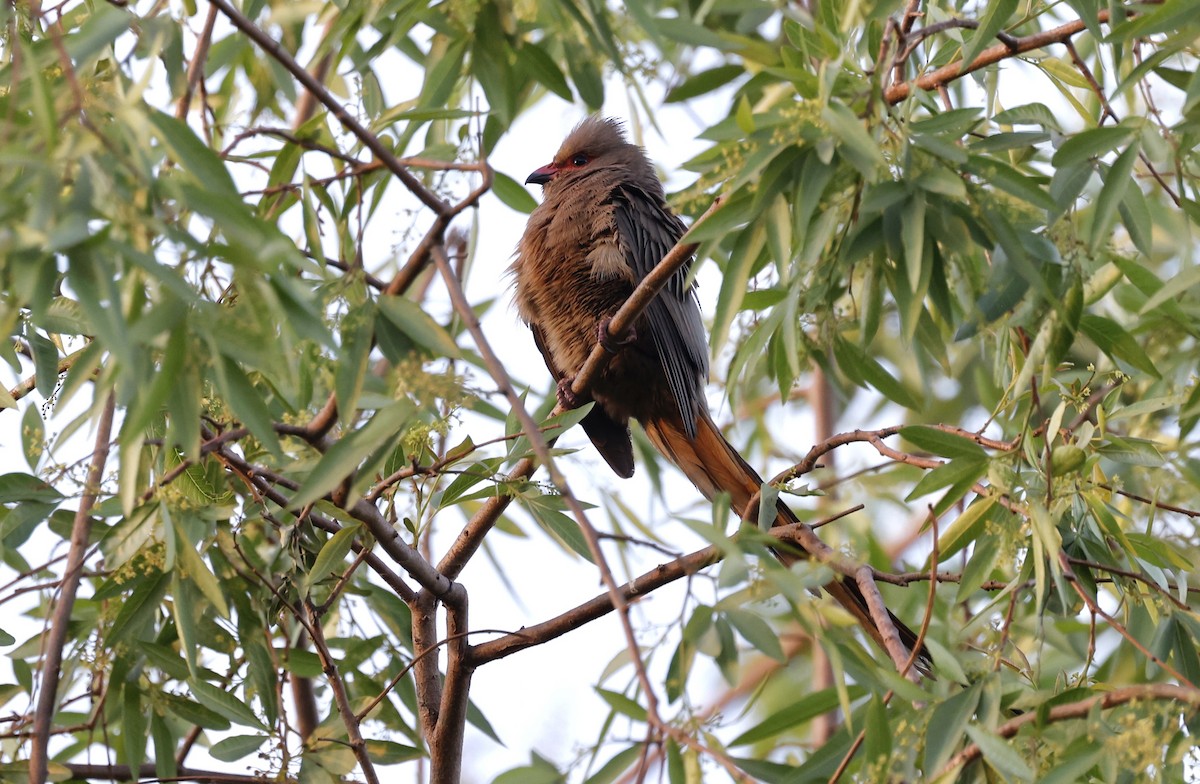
(310, 83)
(345, 710)
(1095, 609)
(196, 65)
(1078, 710)
(597, 607)
(990, 56)
(148, 772)
(56, 639)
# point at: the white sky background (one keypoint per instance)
(541, 698)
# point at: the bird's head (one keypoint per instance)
(596, 143)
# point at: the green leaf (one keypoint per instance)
(103, 25)
(195, 713)
(237, 746)
(1116, 182)
(512, 194)
(328, 563)
(1029, 114)
(442, 67)
(877, 748)
(994, 19)
(45, 362)
(543, 68)
(795, 714)
(247, 402)
(943, 443)
(757, 632)
(348, 452)
(734, 282)
(225, 704)
(1170, 17)
(1131, 451)
(999, 754)
(704, 82)
(386, 752)
(21, 488)
(1178, 284)
(863, 369)
(620, 762)
(195, 156)
(33, 436)
(588, 81)
(855, 143)
(1028, 187)
(408, 317)
(1091, 143)
(304, 664)
(133, 729)
(199, 574)
(961, 473)
(626, 706)
(947, 725)
(965, 528)
(547, 513)
(1113, 340)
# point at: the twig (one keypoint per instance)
(353, 732)
(310, 83)
(196, 65)
(1077, 710)
(57, 637)
(993, 54)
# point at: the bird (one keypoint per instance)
(603, 224)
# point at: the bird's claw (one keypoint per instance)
(610, 344)
(566, 396)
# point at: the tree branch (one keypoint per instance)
(1078, 710)
(993, 54)
(56, 639)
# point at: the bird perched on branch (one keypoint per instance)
(603, 224)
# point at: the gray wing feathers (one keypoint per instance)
(648, 230)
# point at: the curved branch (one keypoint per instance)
(1079, 710)
(594, 608)
(990, 56)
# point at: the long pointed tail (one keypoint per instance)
(714, 466)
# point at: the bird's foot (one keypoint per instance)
(605, 338)
(566, 396)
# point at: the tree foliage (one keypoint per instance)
(263, 430)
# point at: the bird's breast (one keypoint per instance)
(570, 273)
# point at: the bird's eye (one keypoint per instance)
(579, 160)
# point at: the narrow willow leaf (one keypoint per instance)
(1091, 143)
(626, 706)
(948, 724)
(408, 317)
(512, 194)
(863, 368)
(794, 715)
(994, 19)
(1116, 182)
(329, 561)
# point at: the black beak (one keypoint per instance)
(541, 176)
